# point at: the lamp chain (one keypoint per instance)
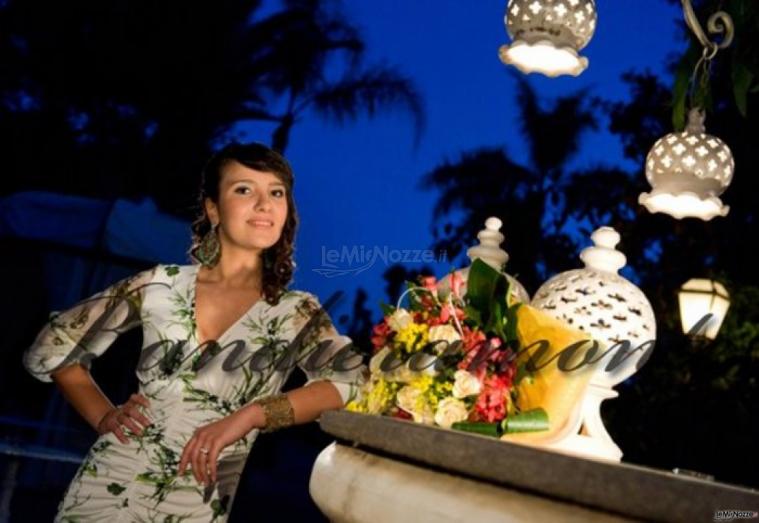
(718, 23)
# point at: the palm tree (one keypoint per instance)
(317, 62)
(128, 98)
(529, 199)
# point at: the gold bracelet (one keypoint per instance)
(278, 412)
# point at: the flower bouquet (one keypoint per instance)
(457, 361)
(454, 361)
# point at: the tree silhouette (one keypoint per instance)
(311, 36)
(529, 199)
(692, 406)
(127, 98)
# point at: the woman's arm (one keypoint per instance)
(86, 330)
(308, 402)
(81, 391)
(65, 347)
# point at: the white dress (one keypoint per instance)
(138, 481)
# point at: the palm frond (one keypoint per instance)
(379, 89)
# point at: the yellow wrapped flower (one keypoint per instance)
(558, 392)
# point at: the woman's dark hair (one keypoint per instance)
(278, 262)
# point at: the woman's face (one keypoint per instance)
(252, 207)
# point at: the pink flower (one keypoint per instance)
(445, 313)
(428, 282)
(456, 282)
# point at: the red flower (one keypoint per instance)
(492, 403)
(402, 414)
(472, 338)
(380, 333)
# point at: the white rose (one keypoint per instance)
(408, 398)
(449, 411)
(399, 319)
(443, 333)
(466, 384)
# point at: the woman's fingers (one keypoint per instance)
(132, 411)
(125, 420)
(119, 433)
(213, 455)
(199, 463)
(186, 458)
(139, 398)
(203, 464)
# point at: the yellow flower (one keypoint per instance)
(376, 397)
(380, 396)
(413, 336)
(356, 406)
(422, 382)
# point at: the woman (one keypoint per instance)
(219, 340)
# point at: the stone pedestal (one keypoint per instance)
(383, 469)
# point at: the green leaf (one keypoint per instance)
(172, 270)
(742, 78)
(480, 284)
(496, 320)
(487, 293)
(485, 429)
(522, 373)
(473, 314)
(511, 322)
(387, 310)
(533, 420)
(115, 489)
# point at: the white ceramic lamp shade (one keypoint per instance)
(688, 172)
(547, 35)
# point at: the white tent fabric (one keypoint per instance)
(140, 230)
(124, 228)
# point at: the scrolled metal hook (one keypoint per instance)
(718, 23)
(721, 22)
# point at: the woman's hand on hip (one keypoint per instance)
(123, 416)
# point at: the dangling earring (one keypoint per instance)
(209, 248)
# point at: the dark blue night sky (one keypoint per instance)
(358, 184)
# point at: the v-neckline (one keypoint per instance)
(194, 311)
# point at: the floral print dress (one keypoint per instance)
(187, 386)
